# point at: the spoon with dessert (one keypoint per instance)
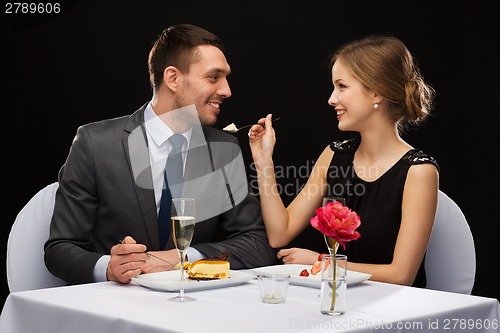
(231, 128)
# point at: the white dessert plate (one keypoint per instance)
(314, 281)
(170, 281)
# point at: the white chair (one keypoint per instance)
(450, 262)
(25, 253)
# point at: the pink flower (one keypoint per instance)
(337, 222)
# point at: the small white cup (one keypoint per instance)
(273, 287)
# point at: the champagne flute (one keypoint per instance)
(183, 223)
(331, 247)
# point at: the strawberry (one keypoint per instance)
(304, 273)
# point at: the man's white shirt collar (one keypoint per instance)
(158, 130)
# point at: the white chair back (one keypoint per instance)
(25, 253)
(450, 261)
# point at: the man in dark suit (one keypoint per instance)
(111, 184)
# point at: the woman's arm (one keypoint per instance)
(418, 212)
(284, 224)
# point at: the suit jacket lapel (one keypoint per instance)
(136, 149)
(198, 157)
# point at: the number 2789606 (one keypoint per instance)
(32, 8)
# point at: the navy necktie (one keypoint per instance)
(173, 176)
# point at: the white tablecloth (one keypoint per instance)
(109, 307)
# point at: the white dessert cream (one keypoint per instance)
(230, 128)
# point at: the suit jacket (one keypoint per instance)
(106, 192)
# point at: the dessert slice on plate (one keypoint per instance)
(209, 269)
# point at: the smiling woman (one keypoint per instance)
(398, 200)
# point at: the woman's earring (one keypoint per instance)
(375, 106)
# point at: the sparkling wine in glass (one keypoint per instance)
(183, 222)
(332, 249)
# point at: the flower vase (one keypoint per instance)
(333, 284)
(338, 225)
(333, 246)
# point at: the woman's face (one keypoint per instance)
(352, 101)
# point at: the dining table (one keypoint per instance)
(133, 308)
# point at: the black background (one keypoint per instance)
(90, 63)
